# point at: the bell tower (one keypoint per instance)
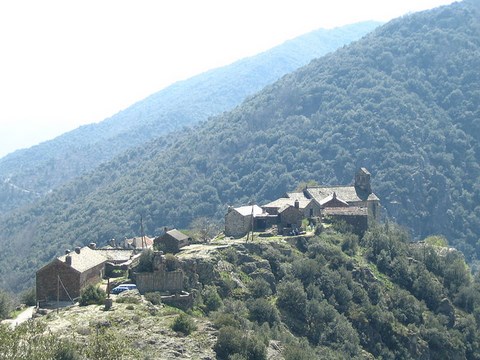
(362, 180)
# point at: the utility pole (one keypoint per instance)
(142, 232)
(58, 292)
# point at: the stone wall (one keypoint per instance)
(91, 276)
(291, 217)
(159, 280)
(237, 225)
(47, 285)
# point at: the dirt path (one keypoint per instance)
(22, 317)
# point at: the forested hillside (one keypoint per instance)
(327, 296)
(27, 175)
(403, 102)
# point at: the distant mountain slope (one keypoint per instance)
(51, 164)
(403, 101)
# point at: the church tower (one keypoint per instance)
(362, 180)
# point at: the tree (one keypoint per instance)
(204, 229)
(211, 299)
(92, 295)
(261, 310)
(145, 263)
(5, 305)
(232, 341)
(292, 297)
(184, 324)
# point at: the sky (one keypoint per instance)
(66, 63)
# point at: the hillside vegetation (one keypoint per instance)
(29, 174)
(331, 296)
(403, 102)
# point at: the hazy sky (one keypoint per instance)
(67, 63)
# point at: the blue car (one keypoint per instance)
(123, 287)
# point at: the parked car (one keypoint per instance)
(123, 287)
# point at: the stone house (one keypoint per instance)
(239, 221)
(336, 209)
(355, 204)
(67, 275)
(289, 218)
(358, 195)
(172, 241)
(310, 208)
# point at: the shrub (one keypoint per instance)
(145, 263)
(259, 287)
(67, 351)
(292, 298)
(299, 351)
(154, 297)
(231, 341)
(171, 262)
(5, 305)
(211, 299)
(184, 324)
(261, 311)
(127, 299)
(92, 295)
(28, 297)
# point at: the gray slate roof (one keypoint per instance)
(346, 193)
(177, 235)
(247, 210)
(346, 211)
(281, 202)
(85, 260)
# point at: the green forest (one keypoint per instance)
(404, 102)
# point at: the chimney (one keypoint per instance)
(68, 260)
(297, 204)
(67, 251)
(92, 246)
(77, 249)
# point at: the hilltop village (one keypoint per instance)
(306, 264)
(64, 278)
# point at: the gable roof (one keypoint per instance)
(117, 255)
(333, 197)
(346, 211)
(248, 209)
(346, 193)
(84, 260)
(282, 202)
(287, 207)
(177, 235)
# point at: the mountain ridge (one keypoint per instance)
(53, 163)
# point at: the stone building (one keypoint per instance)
(172, 241)
(310, 208)
(354, 204)
(66, 276)
(356, 217)
(239, 221)
(289, 219)
(358, 195)
(165, 278)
